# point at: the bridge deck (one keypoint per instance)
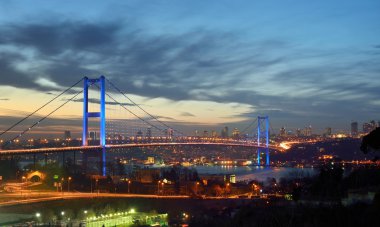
(128, 145)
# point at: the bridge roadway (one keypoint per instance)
(127, 145)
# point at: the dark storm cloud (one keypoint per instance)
(53, 39)
(11, 76)
(168, 66)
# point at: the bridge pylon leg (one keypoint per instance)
(101, 114)
(265, 133)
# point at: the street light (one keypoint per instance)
(97, 185)
(129, 183)
(38, 216)
(62, 180)
(22, 183)
(158, 187)
(196, 188)
(68, 184)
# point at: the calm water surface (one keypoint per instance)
(257, 173)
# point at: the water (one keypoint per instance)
(257, 173)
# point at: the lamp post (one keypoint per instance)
(22, 183)
(163, 184)
(158, 187)
(68, 184)
(196, 188)
(62, 180)
(96, 186)
(129, 185)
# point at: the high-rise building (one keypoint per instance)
(282, 131)
(308, 131)
(354, 129)
(149, 132)
(93, 135)
(67, 135)
(214, 133)
(367, 127)
(205, 133)
(373, 124)
(224, 132)
(235, 133)
(298, 132)
(328, 132)
(170, 133)
(139, 133)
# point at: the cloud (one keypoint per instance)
(97, 101)
(4, 99)
(187, 114)
(275, 76)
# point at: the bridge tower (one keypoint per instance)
(101, 115)
(263, 131)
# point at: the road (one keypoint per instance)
(35, 197)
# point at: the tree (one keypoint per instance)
(9, 169)
(371, 141)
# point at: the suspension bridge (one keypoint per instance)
(126, 124)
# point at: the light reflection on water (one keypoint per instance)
(259, 173)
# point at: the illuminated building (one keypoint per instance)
(205, 133)
(368, 127)
(235, 133)
(150, 160)
(308, 131)
(298, 132)
(282, 131)
(196, 133)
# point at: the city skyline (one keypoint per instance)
(306, 64)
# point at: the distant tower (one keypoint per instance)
(94, 136)
(354, 129)
(67, 135)
(224, 133)
(196, 133)
(148, 132)
(328, 132)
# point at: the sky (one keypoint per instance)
(197, 64)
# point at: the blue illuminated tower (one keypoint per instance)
(261, 132)
(101, 115)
